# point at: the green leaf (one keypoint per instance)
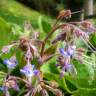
(5, 31)
(2, 77)
(49, 67)
(44, 25)
(93, 39)
(85, 92)
(85, 76)
(61, 82)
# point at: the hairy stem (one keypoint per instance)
(18, 78)
(54, 28)
(48, 36)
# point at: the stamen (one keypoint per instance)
(77, 12)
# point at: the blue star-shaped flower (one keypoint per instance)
(11, 63)
(29, 71)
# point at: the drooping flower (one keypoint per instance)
(69, 52)
(11, 63)
(64, 61)
(63, 52)
(60, 37)
(34, 50)
(88, 26)
(80, 33)
(28, 55)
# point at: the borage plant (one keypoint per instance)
(36, 54)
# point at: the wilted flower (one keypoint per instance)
(6, 49)
(12, 84)
(60, 37)
(11, 63)
(29, 46)
(65, 14)
(28, 55)
(88, 25)
(34, 50)
(80, 33)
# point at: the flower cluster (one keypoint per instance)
(64, 61)
(34, 51)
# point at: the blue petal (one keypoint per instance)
(70, 52)
(62, 51)
(26, 71)
(36, 72)
(9, 63)
(6, 61)
(3, 88)
(22, 71)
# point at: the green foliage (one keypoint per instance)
(93, 39)
(2, 77)
(85, 92)
(5, 30)
(44, 26)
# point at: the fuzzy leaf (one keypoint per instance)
(85, 92)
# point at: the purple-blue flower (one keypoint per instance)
(3, 88)
(11, 63)
(29, 71)
(63, 52)
(68, 52)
